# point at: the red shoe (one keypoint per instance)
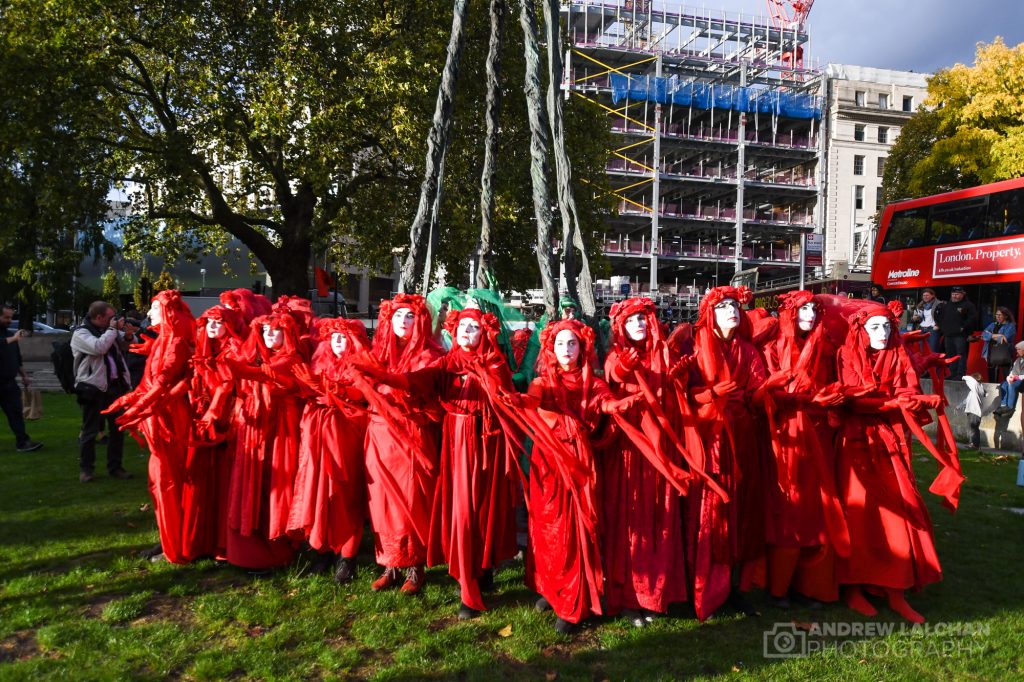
(414, 580)
(387, 580)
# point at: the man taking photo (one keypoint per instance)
(101, 377)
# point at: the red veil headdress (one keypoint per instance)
(709, 352)
(405, 357)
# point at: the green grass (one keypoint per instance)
(77, 603)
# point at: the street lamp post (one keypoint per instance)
(202, 271)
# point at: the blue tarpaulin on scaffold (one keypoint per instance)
(709, 96)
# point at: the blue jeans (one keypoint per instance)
(934, 339)
(1008, 391)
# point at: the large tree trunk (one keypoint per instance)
(538, 154)
(493, 112)
(437, 147)
(572, 235)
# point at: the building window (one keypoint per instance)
(858, 98)
(858, 165)
(881, 165)
(883, 134)
(883, 100)
(858, 132)
(878, 199)
(858, 197)
(908, 103)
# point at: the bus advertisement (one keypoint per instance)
(972, 238)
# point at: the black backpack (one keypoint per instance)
(64, 365)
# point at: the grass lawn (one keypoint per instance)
(77, 603)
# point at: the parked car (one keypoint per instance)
(37, 328)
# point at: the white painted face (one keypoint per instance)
(636, 327)
(878, 328)
(339, 342)
(402, 321)
(806, 316)
(467, 334)
(156, 313)
(567, 348)
(727, 315)
(273, 337)
(215, 329)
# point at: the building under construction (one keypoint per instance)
(719, 145)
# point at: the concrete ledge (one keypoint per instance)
(37, 348)
(1001, 433)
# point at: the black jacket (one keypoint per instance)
(956, 319)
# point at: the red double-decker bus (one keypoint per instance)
(973, 238)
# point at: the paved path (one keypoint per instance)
(43, 377)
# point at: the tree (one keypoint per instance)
(164, 282)
(112, 288)
(143, 288)
(970, 131)
(283, 127)
(53, 184)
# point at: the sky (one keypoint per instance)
(907, 35)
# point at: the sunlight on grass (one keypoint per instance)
(77, 602)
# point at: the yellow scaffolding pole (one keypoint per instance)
(608, 68)
(623, 156)
(616, 194)
(635, 144)
(635, 184)
(614, 111)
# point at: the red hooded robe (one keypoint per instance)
(329, 498)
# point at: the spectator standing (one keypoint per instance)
(101, 376)
(924, 317)
(956, 320)
(10, 394)
(999, 337)
(876, 294)
(134, 333)
(1011, 386)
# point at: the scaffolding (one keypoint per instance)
(717, 166)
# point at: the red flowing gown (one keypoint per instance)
(719, 534)
(401, 470)
(166, 433)
(329, 500)
(208, 470)
(266, 458)
(473, 522)
(890, 529)
(803, 509)
(563, 560)
(642, 524)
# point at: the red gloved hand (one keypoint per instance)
(724, 388)
(621, 405)
(628, 360)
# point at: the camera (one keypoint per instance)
(784, 640)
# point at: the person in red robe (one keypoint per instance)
(561, 411)
(643, 471)
(472, 526)
(890, 529)
(721, 535)
(267, 419)
(401, 442)
(220, 334)
(806, 527)
(248, 304)
(159, 408)
(329, 498)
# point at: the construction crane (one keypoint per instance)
(790, 15)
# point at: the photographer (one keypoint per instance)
(10, 394)
(101, 376)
